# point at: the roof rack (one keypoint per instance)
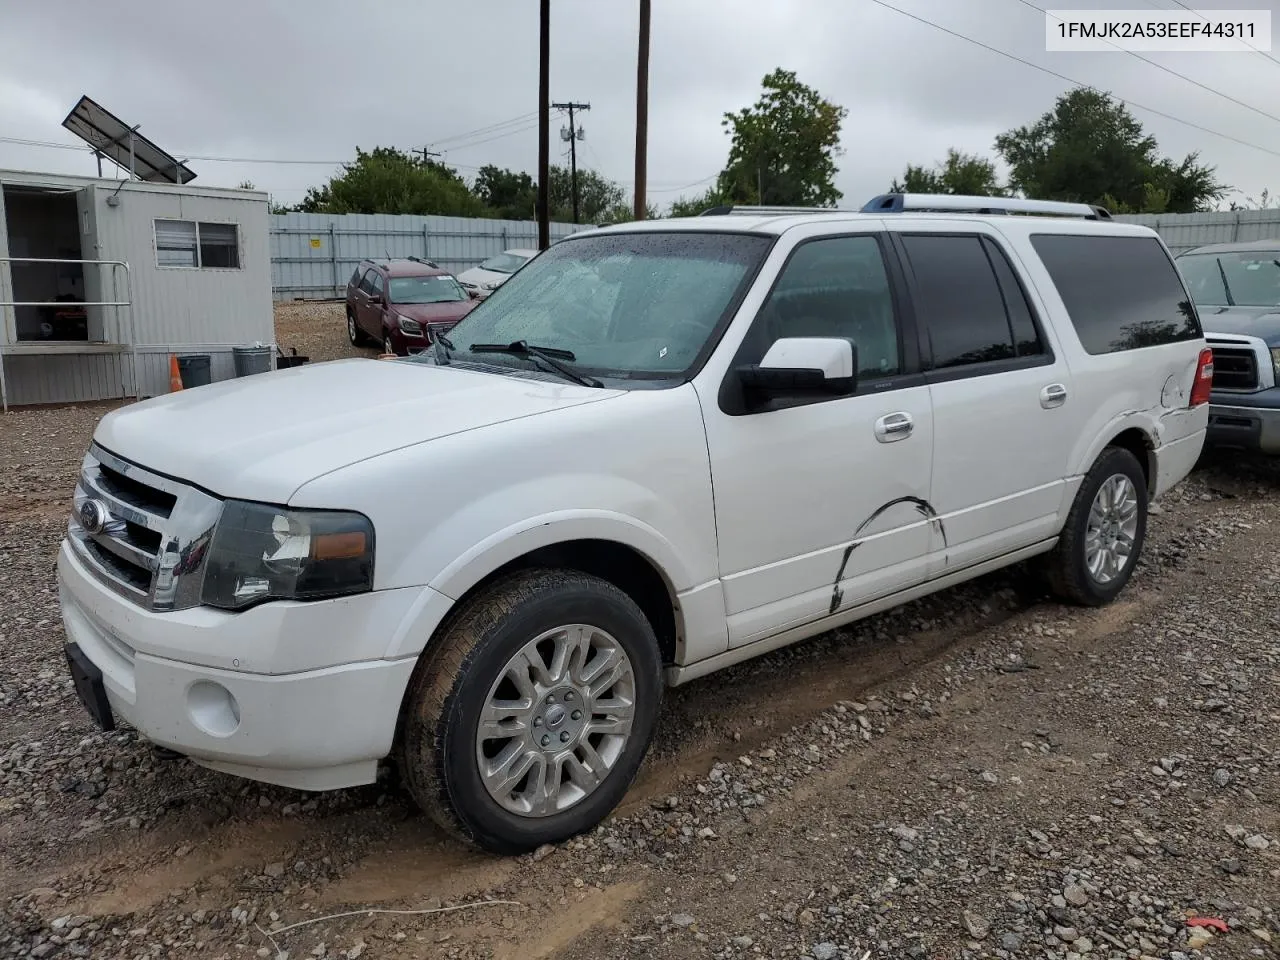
(951, 203)
(749, 211)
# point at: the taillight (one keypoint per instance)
(1204, 379)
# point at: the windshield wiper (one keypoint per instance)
(1226, 287)
(441, 341)
(547, 355)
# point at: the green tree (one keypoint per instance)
(506, 194)
(625, 212)
(693, 206)
(1090, 149)
(387, 180)
(597, 194)
(1264, 201)
(783, 149)
(964, 174)
(514, 196)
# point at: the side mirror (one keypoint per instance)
(803, 366)
(375, 300)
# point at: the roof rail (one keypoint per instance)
(750, 211)
(429, 263)
(951, 203)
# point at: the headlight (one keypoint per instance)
(410, 327)
(261, 552)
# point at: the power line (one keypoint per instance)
(497, 136)
(696, 183)
(1071, 80)
(186, 156)
(523, 118)
(1261, 53)
(1161, 66)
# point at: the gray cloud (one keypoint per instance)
(282, 79)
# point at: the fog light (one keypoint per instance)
(213, 709)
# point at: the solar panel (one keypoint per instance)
(110, 137)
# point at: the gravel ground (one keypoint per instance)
(315, 330)
(982, 773)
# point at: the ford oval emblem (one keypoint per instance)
(94, 516)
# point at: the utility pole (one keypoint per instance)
(642, 110)
(544, 118)
(574, 135)
(426, 154)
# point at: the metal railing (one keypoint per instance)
(10, 336)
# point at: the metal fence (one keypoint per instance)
(314, 254)
(1183, 231)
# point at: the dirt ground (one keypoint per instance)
(982, 773)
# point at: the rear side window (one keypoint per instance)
(1122, 293)
(966, 314)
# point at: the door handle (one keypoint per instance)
(894, 426)
(1054, 395)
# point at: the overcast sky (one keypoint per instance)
(312, 79)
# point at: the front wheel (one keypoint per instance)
(1103, 536)
(528, 719)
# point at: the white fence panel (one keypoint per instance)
(314, 254)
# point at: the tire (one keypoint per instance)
(357, 336)
(1068, 566)
(387, 346)
(470, 664)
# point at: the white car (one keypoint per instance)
(488, 560)
(491, 274)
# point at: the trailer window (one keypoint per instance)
(190, 244)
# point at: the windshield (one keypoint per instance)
(505, 263)
(628, 305)
(437, 289)
(1248, 279)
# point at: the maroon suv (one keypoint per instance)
(402, 304)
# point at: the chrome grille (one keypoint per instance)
(141, 534)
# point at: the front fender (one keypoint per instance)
(516, 540)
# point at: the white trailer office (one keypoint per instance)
(102, 280)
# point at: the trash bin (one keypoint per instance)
(251, 360)
(194, 370)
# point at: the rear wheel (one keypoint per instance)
(1103, 536)
(528, 719)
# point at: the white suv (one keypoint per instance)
(660, 449)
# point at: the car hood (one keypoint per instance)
(1261, 322)
(477, 276)
(263, 436)
(448, 312)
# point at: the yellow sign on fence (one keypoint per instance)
(315, 243)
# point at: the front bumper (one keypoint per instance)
(1248, 421)
(313, 729)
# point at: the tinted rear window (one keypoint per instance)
(1122, 293)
